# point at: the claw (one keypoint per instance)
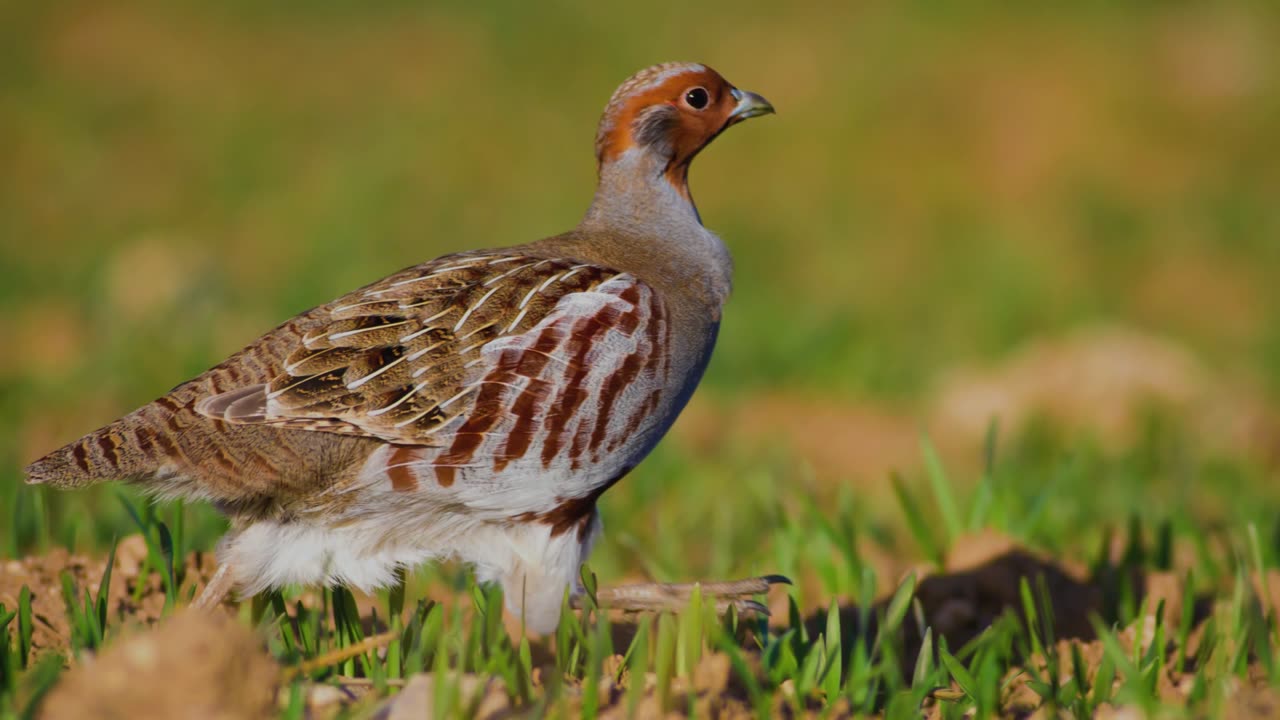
(744, 607)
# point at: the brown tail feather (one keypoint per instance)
(161, 443)
(103, 454)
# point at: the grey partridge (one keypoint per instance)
(474, 407)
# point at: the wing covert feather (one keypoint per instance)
(402, 359)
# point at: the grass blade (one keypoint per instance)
(942, 492)
(959, 673)
(920, 529)
(25, 627)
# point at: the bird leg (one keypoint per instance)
(654, 597)
(219, 586)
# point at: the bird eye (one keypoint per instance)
(697, 98)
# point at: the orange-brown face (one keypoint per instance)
(673, 110)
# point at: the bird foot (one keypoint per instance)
(656, 597)
(217, 590)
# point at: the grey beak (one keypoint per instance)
(749, 105)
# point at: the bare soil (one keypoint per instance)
(1101, 381)
(126, 600)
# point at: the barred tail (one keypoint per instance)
(108, 453)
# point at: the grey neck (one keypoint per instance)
(635, 201)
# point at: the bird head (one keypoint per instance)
(670, 112)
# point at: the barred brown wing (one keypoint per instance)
(485, 356)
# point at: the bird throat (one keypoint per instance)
(641, 198)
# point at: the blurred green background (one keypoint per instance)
(1065, 216)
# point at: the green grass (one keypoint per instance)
(942, 188)
(864, 656)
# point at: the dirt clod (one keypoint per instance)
(193, 665)
(983, 580)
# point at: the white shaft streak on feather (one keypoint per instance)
(473, 308)
(352, 306)
(419, 353)
(547, 283)
(460, 394)
(427, 276)
(294, 366)
(412, 391)
(441, 406)
(427, 326)
(471, 347)
(428, 368)
(533, 264)
(419, 372)
(482, 328)
(528, 296)
(421, 415)
(469, 263)
(357, 383)
(415, 334)
(349, 333)
(573, 271)
(515, 322)
(512, 271)
(426, 301)
(423, 370)
(413, 419)
(277, 393)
